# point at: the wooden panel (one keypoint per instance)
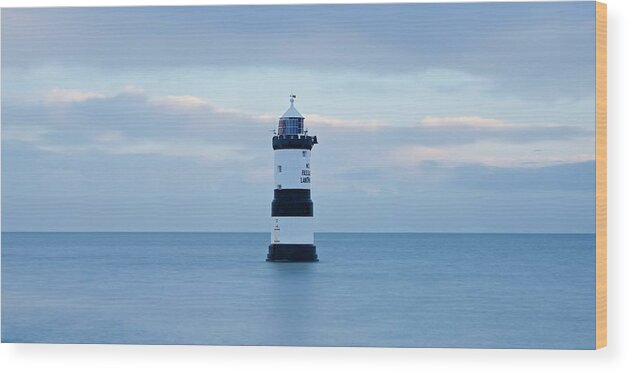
(601, 338)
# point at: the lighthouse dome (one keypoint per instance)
(292, 111)
(291, 122)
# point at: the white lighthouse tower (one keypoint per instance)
(292, 238)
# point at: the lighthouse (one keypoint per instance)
(292, 238)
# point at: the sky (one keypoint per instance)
(430, 117)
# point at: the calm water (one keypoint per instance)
(425, 290)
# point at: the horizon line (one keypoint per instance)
(325, 232)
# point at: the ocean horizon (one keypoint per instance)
(477, 290)
(316, 232)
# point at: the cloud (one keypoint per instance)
(189, 102)
(182, 102)
(415, 154)
(133, 100)
(24, 134)
(360, 36)
(65, 96)
(488, 153)
(129, 122)
(452, 130)
(340, 123)
(476, 122)
(74, 96)
(129, 146)
(132, 122)
(132, 90)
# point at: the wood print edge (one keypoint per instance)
(601, 335)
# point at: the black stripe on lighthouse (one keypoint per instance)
(292, 202)
(292, 253)
(294, 142)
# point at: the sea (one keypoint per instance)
(368, 289)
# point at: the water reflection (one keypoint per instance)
(292, 308)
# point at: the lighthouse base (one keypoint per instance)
(292, 253)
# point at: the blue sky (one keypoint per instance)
(431, 117)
